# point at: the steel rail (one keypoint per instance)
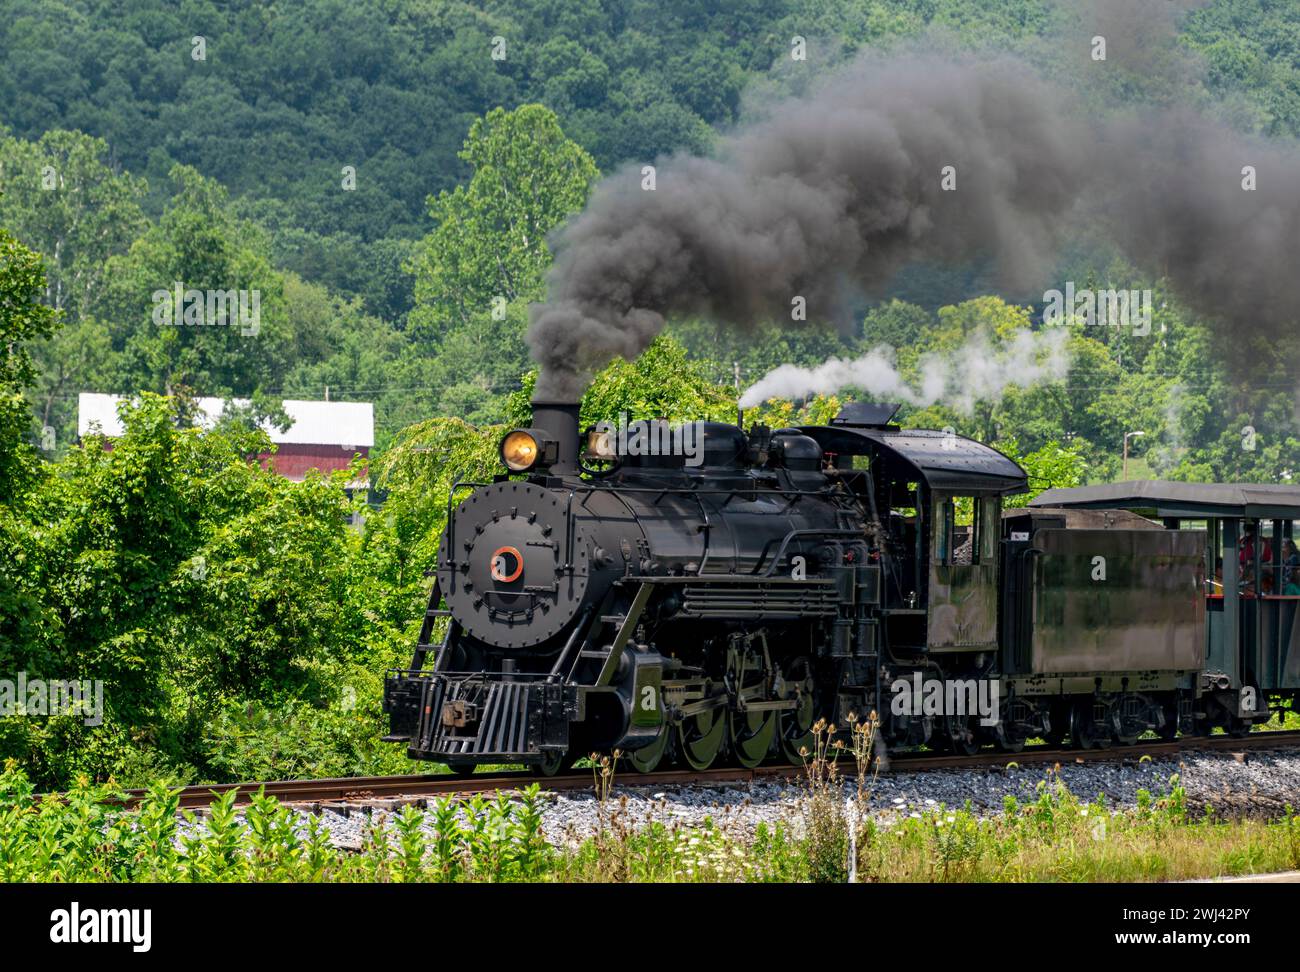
(362, 790)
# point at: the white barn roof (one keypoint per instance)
(347, 424)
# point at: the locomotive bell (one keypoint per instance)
(602, 445)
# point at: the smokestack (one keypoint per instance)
(559, 421)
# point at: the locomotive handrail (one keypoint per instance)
(811, 531)
(615, 489)
(810, 582)
(568, 536)
(686, 490)
(707, 530)
(578, 630)
(451, 520)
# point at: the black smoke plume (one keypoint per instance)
(828, 197)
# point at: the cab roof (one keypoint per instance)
(943, 460)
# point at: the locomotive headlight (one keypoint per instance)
(520, 450)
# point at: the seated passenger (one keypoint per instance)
(1290, 571)
(1247, 555)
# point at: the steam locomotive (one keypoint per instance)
(714, 606)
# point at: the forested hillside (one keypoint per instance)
(320, 146)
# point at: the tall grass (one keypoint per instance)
(835, 835)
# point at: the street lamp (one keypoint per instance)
(1127, 436)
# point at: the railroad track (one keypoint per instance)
(370, 790)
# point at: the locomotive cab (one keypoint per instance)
(937, 499)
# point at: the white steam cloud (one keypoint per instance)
(978, 371)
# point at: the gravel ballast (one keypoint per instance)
(1258, 785)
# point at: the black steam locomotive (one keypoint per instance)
(715, 605)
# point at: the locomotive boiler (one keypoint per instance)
(714, 606)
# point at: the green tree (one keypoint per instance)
(61, 198)
(489, 241)
(190, 581)
(23, 319)
(200, 245)
(484, 262)
(1053, 466)
(58, 196)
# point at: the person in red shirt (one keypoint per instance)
(1247, 561)
(1247, 555)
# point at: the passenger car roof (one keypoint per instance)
(1175, 499)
